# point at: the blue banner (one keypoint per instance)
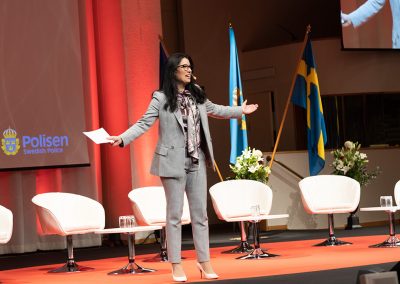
(237, 126)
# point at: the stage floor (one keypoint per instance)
(299, 260)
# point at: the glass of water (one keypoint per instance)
(131, 221)
(255, 212)
(122, 222)
(386, 201)
(127, 221)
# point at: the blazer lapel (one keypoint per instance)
(202, 113)
(204, 121)
(178, 116)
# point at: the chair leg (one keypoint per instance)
(71, 265)
(163, 255)
(332, 240)
(244, 245)
(258, 252)
(163, 241)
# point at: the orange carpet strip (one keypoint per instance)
(295, 257)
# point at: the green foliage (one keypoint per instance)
(348, 161)
(250, 165)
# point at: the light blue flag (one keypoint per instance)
(306, 94)
(238, 127)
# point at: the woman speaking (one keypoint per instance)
(184, 148)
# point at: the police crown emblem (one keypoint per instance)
(10, 142)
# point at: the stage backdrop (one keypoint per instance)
(41, 94)
(68, 78)
(114, 96)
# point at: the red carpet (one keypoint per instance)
(296, 257)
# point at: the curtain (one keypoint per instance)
(116, 92)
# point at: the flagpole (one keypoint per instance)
(219, 173)
(289, 97)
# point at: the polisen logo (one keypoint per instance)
(32, 145)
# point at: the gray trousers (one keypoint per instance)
(195, 185)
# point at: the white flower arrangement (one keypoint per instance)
(250, 165)
(349, 161)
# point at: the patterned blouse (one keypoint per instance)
(191, 122)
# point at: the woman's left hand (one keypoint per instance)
(247, 109)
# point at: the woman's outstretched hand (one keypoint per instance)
(247, 109)
(116, 140)
(346, 21)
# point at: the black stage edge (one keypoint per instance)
(334, 276)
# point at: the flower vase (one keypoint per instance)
(353, 221)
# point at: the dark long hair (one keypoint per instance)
(169, 84)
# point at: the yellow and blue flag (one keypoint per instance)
(306, 94)
(238, 127)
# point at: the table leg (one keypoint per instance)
(258, 252)
(132, 267)
(392, 241)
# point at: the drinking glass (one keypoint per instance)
(386, 201)
(255, 212)
(122, 221)
(131, 221)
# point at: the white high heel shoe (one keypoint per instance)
(206, 275)
(179, 278)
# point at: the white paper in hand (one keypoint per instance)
(98, 136)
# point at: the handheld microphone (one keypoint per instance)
(194, 77)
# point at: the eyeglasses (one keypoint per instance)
(185, 67)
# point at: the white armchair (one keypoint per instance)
(6, 224)
(233, 201)
(330, 194)
(149, 207)
(67, 214)
(397, 193)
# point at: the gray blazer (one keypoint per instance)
(169, 156)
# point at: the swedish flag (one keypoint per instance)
(306, 94)
(238, 127)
